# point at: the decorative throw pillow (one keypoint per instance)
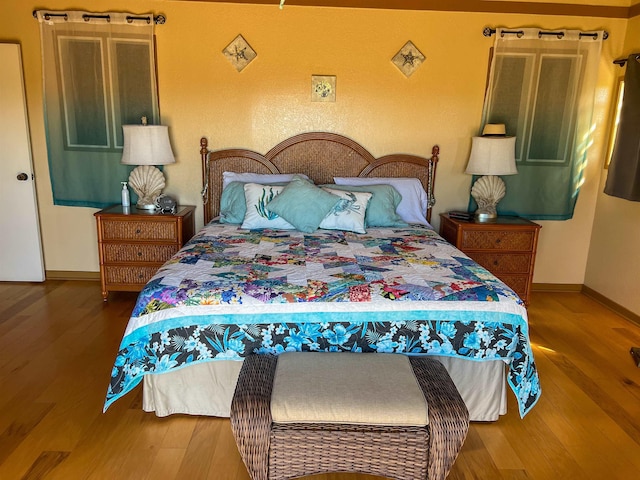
(381, 211)
(233, 205)
(302, 204)
(257, 215)
(413, 206)
(262, 178)
(349, 213)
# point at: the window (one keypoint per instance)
(613, 132)
(534, 96)
(105, 83)
(541, 86)
(99, 74)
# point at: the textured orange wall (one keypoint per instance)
(201, 94)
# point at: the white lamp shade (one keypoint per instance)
(492, 156)
(146, 145)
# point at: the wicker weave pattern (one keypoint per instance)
(251, 413)
(307, 449)
(448, 415)
(499, 240)
(319, 155)
(117, 230)
(503, 263)
(284, 451)
(127, 252)
(518, 283)
(129, 274)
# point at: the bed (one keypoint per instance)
(393, 287)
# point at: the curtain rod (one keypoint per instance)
(488, 31)
(157, 19)
(623, 61)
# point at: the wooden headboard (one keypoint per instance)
(321, 156)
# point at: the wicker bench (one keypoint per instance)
(275, 451)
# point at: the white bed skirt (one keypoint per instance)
(207, 388)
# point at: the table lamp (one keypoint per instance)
(146, 146)
(492, 154)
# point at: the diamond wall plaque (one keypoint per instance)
(408, 59)
(239, 53)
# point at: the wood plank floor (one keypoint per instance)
(58, 341)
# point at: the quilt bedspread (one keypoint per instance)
(229, 293)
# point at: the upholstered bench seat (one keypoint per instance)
(307, 413)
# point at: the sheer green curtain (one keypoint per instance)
(98, 74)
(542, 87)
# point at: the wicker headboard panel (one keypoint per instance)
(319, 155)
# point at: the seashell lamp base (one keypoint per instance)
(487, 192)
(147, 181)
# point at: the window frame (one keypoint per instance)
(113, 120)
(529, 94)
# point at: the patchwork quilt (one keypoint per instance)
(229, 293)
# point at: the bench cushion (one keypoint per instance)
(351, 388)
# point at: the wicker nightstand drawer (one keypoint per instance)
(133, 244)
(497, 240)
(117, 230)
(506, 247)
(131, 252)
(130, 275)
(503, 263)
(517, 283)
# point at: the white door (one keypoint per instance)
(20, 245)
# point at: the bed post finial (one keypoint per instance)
(435, 151)
(203, 146)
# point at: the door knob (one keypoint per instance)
(23, 177)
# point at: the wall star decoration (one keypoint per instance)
(239, 53)
(323, 88)
(408, 59)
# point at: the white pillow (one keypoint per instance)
(348, 214)
(412, 207)
(228, 177)
(257, 216)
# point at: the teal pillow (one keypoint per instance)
(233, 204)
(381, 211)
(302, 204)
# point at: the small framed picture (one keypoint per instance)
(323, 88)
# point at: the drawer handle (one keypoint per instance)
(141, 275)
(139, 253)
(495, 263)
(137, 231)
(498, 240)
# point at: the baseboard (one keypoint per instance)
(65, 275)
(556, 287)
(611, 305)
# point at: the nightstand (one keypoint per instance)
(134, 244)
(506, 247)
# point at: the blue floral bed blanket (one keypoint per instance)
(229, 293)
